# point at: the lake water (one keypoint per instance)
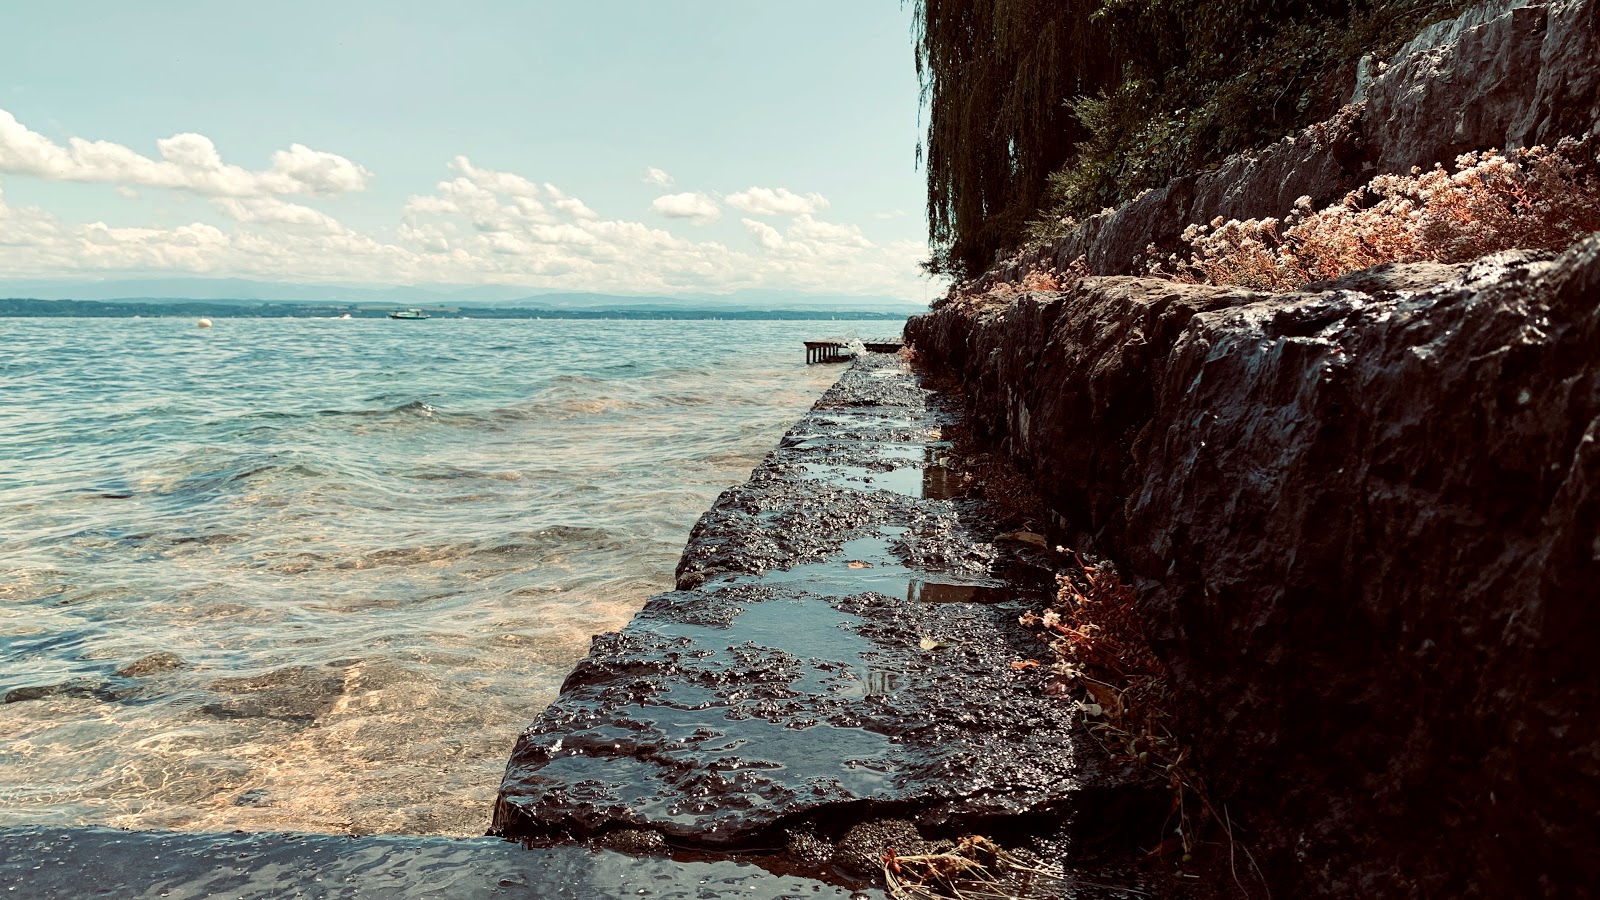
(317, 574)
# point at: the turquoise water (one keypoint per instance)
(367, 552)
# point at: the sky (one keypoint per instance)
(646, 147)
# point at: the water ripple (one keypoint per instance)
(346, 562)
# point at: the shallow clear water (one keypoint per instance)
(368, 550)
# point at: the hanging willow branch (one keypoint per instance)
(994, 74)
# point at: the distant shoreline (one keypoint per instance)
(18, 308)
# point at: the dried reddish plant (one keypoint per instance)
(990, 290)
(1103, 656)
(1094, 624)
(1537, 198)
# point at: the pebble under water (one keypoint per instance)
(316, 575)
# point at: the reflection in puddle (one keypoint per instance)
(931, 482)
(937, 592)
(926, 478)
(867, 565)
(805, 627)
(881, 683)
(939, 483)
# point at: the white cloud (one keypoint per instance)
(572, 206)
(762, 201)
(478, 225)
(494, 182)
(477, 195)
(813, 232)
(765, 234)
(697, 208)
(189, 162)
(272, 211)
(655, 176)
(302, 170)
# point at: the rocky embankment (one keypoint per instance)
(1365, 522)
(1363, 517)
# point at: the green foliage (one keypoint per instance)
(1043, 112)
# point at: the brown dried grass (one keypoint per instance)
(1104, 660)
(1537, 198)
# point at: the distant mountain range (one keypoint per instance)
(239, 291)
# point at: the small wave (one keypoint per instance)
(452, 473)
(565, 408)
(536, 545)
(412, 408)
(687, 399)
(210, 473)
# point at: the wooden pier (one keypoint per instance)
(837, 350)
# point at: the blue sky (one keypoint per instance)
(612, 146)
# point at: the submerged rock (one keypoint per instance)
(297, 694)
(106, 690)
(152, 664)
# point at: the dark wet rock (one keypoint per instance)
(105, 690)
(1393, 277)
(71, 863)
(838, 653)
(635, 840)
(807, 848)
(1506, 73)
(293, 694)
(153, 664)
(767, 524)
(1363, 520)
(256, 797)
(862, 850)
(1113, 339)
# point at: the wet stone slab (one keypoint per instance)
(838, 652)
(50, 863)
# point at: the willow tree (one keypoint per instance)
(994, 76)
(999, 78)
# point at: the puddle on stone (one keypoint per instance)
(881, 683)
(918, 472)
(873, 682)
(806, 628)
(923, 483)
(866, 564)
(843, 575)
(940, 592)
(904, 452)
(762, 769)
(939, 483)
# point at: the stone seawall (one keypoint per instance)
(833, 680)
(1365, 522)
